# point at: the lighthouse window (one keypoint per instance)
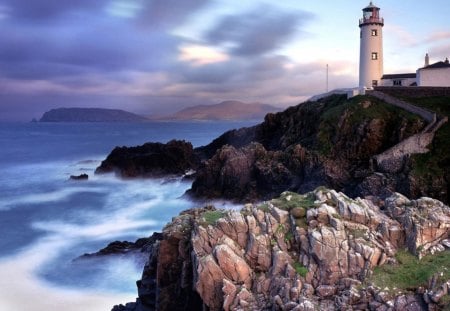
(374, 55)
(374, 33)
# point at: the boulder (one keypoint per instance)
(151, 160)
(79, 177)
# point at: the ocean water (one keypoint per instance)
(48, 221)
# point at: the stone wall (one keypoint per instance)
(380, 93)
(391, 160)
(414, 91)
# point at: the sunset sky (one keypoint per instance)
(158, 56)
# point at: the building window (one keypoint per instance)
(398, 82)
(374, 55)
(374, 82)
(374, 33)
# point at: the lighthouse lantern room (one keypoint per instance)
(371, 48)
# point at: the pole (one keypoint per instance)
(327, 78)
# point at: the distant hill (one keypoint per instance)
(227, 110)
(90, 115)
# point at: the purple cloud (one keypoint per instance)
(259, 31)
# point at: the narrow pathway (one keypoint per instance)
(388, 160)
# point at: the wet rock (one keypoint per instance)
(257, 259)
(79, 177)
(151, 160)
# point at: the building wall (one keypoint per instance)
(405, 82)
(433, 77)
(370, 69)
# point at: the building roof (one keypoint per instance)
(441, 64)
(371, 6)
(400, 76)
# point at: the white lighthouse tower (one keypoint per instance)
(371, 48)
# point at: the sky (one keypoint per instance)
(154, 57)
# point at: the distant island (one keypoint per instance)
(227, 110)
(90, 115)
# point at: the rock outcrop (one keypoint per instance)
(151, 160)
(79, 177)
(360, 146)
(315, 251)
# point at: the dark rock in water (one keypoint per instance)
(331, 142)
(79, 177)
(124, 247)
(151, 160)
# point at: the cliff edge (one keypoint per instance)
(316, 251)
(333, 142)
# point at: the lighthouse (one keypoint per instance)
(371, 47)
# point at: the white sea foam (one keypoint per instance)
(128, 208)
(22, 290)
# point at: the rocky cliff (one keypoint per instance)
(317, 251)
(331, 142)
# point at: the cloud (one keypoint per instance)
(74, 48)
(168, 13)
(257, 32)
(199, 55)
(438, 36)
(403, 37)
(111, 52)
(45, 10)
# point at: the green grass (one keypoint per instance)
(264, 207)
(435, 164)
(210, 217)
(301, 223)
(410, 272)
(355, 114)
(289, 200)
(300, 269)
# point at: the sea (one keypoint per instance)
(48, 221)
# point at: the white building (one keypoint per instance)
(437, 74)
(371, 59)
(400, 79)
(371, 48)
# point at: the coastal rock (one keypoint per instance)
(247, 173)
(151, 160)
(79, 177)
(334, 142)
(270, 257)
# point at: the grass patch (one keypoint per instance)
(210, 217)
(264, 207)
(350, 113)
(300, 269)
(410, 272)
(288, 237)
(301, 223)
(289, 200)
(434, 165)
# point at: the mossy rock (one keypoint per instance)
(301, 223)
(298, 212)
